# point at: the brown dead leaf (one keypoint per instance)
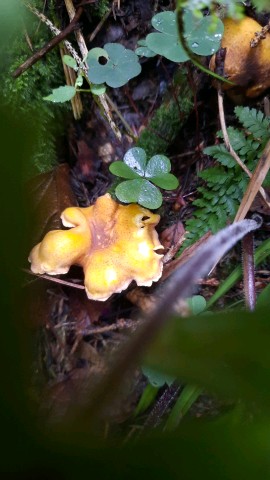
(49, 194)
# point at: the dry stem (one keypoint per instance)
(231, 150)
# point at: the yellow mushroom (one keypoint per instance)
(114, 244)
(247, 67)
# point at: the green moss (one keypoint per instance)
(169, 118)
(101, 8)
(24, 95)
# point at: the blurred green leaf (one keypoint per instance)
(148, 396)
(156, 378)
(187, 397)
(261, 253)
(264, 298)
(225, 353)
(197, 304)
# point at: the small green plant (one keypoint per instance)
(114, 65)
(142, 176)
(203, 36)
(226, 183)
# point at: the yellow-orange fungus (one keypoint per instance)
(113, 243)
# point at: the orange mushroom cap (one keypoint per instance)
(248, 68)
(114, 244)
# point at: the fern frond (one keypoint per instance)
(254, 121)
(225, 184)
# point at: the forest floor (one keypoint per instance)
(74, 334)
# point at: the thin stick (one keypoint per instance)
(55, 280)
(49, 46)
(56, 31)
(229, 146)
(255, 183)
(114, 107)
(120, 324)
(100, 25)
(78, 34)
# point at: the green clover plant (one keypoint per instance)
(203, 36)
(114, 65)
(67, 92)
(142, 178)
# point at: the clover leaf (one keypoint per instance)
(166, 43)
(140, 176)
(113, 64)
(139, 191)
(144, 51)
(203, 35)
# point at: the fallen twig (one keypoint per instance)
(99, 25)
(230, 148)
(254, 185)
(49, 46)
(55, 280)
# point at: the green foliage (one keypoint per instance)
(203, 35)
(120, 65)
(100, 8)
(24, 95)
(197, 304)
(225, 183)
(141, 175)
(187, 397)
(261, 5)
(226, 353)
(261, 253)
